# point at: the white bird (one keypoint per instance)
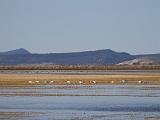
(94, 81)
(112, 81)
(80, 82)
(29, 81)
(68, 82)
(51, 81)
(140, 82)
(123, 81)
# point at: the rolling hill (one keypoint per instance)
(98, 57)
(22, 56)
(20, 51)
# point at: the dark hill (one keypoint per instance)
(15, 52)
(22, 56)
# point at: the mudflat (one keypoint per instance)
(63, 79)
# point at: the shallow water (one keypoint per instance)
(88, 72)
(98, 102)
(84, 90)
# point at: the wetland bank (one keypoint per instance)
(79, 95)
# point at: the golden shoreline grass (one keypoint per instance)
(63, 79)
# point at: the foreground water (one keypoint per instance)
(80, 102)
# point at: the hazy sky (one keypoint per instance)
(44, 26)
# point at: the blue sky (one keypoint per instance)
(44, 26)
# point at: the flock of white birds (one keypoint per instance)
(81, 82)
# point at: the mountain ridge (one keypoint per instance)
(16, 51)
(104, 56)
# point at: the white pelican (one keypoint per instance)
(94, 82)
(112, 81)
(68, 82)
(37, 81)
(80, 82)
(29, 81)
(51, 81)
(140, 82)
(123, 81)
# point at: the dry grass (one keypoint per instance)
(23, 79)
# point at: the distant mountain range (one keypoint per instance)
(106, 56)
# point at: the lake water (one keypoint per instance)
(83, 72)
(80, 102)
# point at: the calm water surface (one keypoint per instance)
(99, 102)
(88, 72)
